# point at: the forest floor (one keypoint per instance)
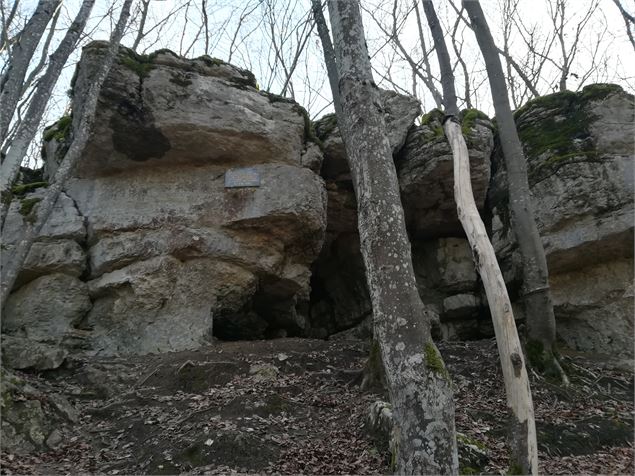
(291, 406)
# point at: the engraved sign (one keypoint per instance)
(245, 177)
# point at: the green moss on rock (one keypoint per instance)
(468, 119)
(210, 61)
(468, 470)
(436, 115)
(554, 130)
(515, 469)
(22, 189)
(599, 91)
(141, 65)
(470, 441)
(325, 125)
(27, 205)
(59, 131)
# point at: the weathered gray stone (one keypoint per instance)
(581, 170)
(21, 354)
(594, 307)
(64, 222)
(47, 308)
(455, 264)
(64, 407)
(312, 157)
(460, 305)
(174, 253)
(163, 304)
(182, 111)
(48, 257)
(54, 439)
(425, 172)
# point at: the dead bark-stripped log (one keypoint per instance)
(523, 427)
(424, 440)
(541, 321)
(82, 130)
(19, 61)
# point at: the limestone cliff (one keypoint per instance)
(204, 207)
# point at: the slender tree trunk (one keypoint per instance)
(523, 426)
(19, 61)
(43, 210)
(541, 323)
(329, 54)
(144, 14)
(424, 440)
(29, 125)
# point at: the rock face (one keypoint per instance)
(442, 260)
(579, 150)
(424, 169)
(201, 207)
(580, 153)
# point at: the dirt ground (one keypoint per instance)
(294, 406)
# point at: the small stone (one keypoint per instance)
(20, 353)
(264, 372)
(64, 407)
(54, 439)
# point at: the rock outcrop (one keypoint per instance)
(201, 207)
(424, 169)
(446, 276)
(580, 155)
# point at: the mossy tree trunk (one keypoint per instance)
(541, 323)
(524, 448)
(424, 440)
(38, 216)
(28, 127)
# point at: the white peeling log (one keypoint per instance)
(519, 400)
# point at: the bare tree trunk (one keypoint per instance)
(629, 22)
(82, 131)
(541, 323)
(329, 54)
(29, 125)
(145, 5)
(424, 440)
(523, 426)
(20, 58)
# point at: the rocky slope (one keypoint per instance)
(291, 406)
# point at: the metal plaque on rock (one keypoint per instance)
(245, 177)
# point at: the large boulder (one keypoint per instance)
(164, 110)
(425, 172)
(579, 152)
(26, 354)
(202, 209)
(47, 308)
